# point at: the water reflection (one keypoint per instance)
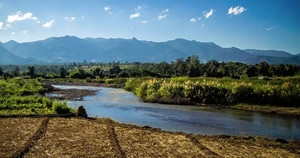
(127, 108)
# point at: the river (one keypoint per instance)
(125, 107)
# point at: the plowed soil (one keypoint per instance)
(82, 137)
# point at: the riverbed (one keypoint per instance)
(125, 107)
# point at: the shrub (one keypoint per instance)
(61, 108)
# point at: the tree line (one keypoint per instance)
(190, 67)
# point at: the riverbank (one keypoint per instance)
(80, 137)
(74, 94)
(93, 84)
(268, 109)
(69, 94)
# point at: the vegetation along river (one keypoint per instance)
(125, 107)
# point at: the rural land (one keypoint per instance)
(150, 78)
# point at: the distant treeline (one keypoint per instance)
(190, 67)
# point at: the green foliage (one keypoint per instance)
(20, 96)
(116, 81)
(225, 91)
(61, 108)
(30, 71)
(1, 71)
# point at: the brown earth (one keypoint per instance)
(72, 94)
(85, 84)
(87, 137)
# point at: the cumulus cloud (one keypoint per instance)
(193, 20)
(160, 17)
(139, 7)
(144, 22)
(71, 19)
(49, 24)
(165, 11)
(269, 29)
(236, 10)
(1, 25)
(136, 15)
(163, 14)
(19, 16)
(107, 8)
(208, 14)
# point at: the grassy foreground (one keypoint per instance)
(20, 96)
(79, 137)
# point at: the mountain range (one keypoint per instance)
(74, 49)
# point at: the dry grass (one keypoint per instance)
(78, 137)
(239, 147)
(73, 137)
(15, 132)
(145, 143)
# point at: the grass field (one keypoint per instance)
(20, 96)
(79, 137)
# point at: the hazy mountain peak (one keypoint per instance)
(74, 49)
(272, 53)
(11, 42)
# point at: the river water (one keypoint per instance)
(125, 107)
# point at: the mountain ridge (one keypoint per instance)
(74, 49)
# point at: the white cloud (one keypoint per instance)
(163, 14)
(107, 8)
(8, 25)
(38, 22)
(165, 11)
(269, 29)
(139, 7)
(236, 10)
(71, 19)
(208, 14)
(193, 20)
(160, 17)
(19, 16)
(49, 24)
(136, 15)
(25, 31)
(13, 33)
(1, 25)
(144, 22)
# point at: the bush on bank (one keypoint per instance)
(214, 91)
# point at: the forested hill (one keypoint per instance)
(74, 49)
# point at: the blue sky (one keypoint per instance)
(259, 24)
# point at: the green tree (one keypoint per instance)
(263, 68)
(30, 71)
(16, 72)
(1, 71)
(193, 66)
(251, 71)
(115, 69)
(63, 72)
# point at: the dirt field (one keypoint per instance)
(80, 137)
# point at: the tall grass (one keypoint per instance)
(225, 91)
